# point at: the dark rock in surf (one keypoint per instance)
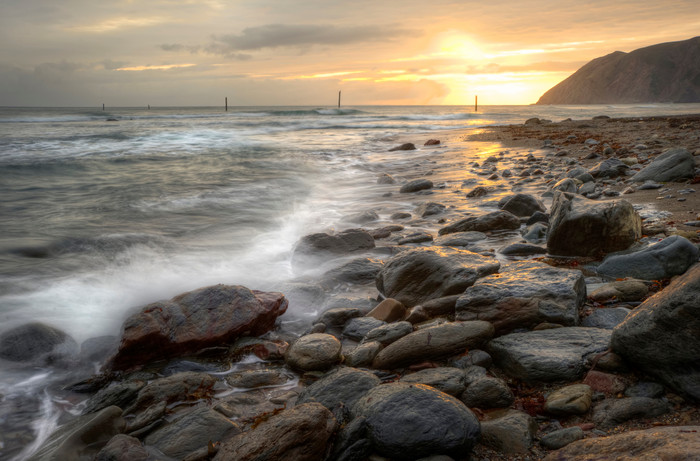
(195, 320)
(430, 209)
(339, 388)
(497, 220)
(522, 205)
(37, 342)
(432, 142)
(445, 379)
(314, 352)
(405, 146)
(314, 247)
(122, 447)
(358, 271)
(416, 186)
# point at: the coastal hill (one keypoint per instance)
(667, 72)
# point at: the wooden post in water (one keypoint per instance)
(476, 105)
(103, 106)
(226, 103)
(338, 99)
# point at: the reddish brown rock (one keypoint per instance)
(211, 316)
(604, 382)
(432, 142)
(389, 310)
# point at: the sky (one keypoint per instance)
(302, 52)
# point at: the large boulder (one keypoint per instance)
(522, 205)
(667, 443)
(421, 274)
(524, 294)
(340, 388)
(669, 257)
(496, 220)
(582, 227)
(301, 433)
(661, 335)
(672, 165)
(558, 354)
(314, 247)
(36, 342)
(434, 343)
(195, 320)
(409, 421)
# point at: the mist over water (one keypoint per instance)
(98, 217)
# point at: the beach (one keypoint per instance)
(411, 260)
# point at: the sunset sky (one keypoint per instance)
(302, 52)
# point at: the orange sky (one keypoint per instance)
(263, 52)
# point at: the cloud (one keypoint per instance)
(156, 67)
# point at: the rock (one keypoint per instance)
(339, 316)
(460, 239)
(192, 321)
(673, 165)
(497, 220)
(611, 412)
(363, 355)
(645, 389)
(359, 327)
(474, 357)
(249, 379)
(575, 399)
(416, 186)
(362, 218)
(385, 178)
(668, 443)
(83, 437)
(118, 394)
(342, 387)
(387, 334)
(122, 447)
(98, 349)
(478, 191)
(522, 205)
(661, 335)
(440, 306)
(420, 274)
(566, 185)
(416, 237)
(314, 352)
(582, 227)
(389, 310)
(432, 142)
(609, 168)
(488, 392)
(36, 342)
(524, 294)
(400, 215)
(185, 386)
(430, 209)
(522, 249)
(405, 146)
(620, 291)
(533, 121)
(358, 271)
(536, 232)
(671, 256)
(434, 343)
(191, 431)
(408, 421)
(445, 379)
(322, 246)
(604, 382)
(509, 432)
(561, 438)
(301, 433)
(607, 318)
(548, 355)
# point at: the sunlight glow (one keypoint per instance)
(118, 23)
(163, 67)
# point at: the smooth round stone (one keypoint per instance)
(561, 438)
(488, 392)
(574, 399)
(314, 352)
(446, 379)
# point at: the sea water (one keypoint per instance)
(103, 211)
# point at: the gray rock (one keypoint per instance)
(536, 232)
(581, 227)
(430, 209)
(314, 352)
(118, 394)
(524, 294)
(509, 432)
(416, 237)
(191, 431)
(575, 399)
(607, 318)
(407, 421)
(83, 437)
(122, 447)
(385, 178)
(548, 355)
(488, 392)
(249, 379)
(387, 334)
(478, 191)
(566, 185)
(358, 271)
(672, 165)
(671, 256)
(359, 327)
(321, 245)
(36, 342)
(404, 146)
(609, 168)
(474, 357)
(668, 443)
(620, 291)
(363, 355)
(445, 379)
(611, 412)
(418, 275)
(342, 387)
(661, 335)
(339, 316)
(561, 438)
(460, 239)
(497, 220)
(416, 186)
(522, 205)
(301, 433)
(522, 249)
(98, 349)
(645, 389)
(362, 218)
(434, 343)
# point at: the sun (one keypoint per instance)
(456, 44)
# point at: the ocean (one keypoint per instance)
(103, 211)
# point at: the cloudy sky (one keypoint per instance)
(302, 52)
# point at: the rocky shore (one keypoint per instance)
(546, 310)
